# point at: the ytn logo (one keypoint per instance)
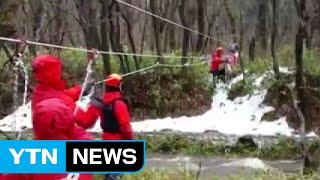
(32, 153)
(94, 156)
(105, 156)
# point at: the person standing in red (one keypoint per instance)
(53, 119)
(47, 71)
(114, 115)
(216, 61)
(112, 109)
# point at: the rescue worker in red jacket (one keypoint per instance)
(47, 71)
(53, 119)
(112, 110)
(216, 61)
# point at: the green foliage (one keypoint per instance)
(283, 149)
(239, 89)
(311, 61)
(286, 56)
(179, 174)
(258, 67)
(178, 144)
(169, 92)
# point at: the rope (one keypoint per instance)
(100, 52)
(91, 57)
(164, 19)
(15, 91)
(181, 65)
(154, 66)
(26, 79)
(17, 63)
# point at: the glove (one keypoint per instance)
(88, 88)
(97, 102)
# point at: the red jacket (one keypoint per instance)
(52, 120)
(88, 119)
(48, 74)
(216, 60)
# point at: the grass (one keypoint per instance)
(284, 148)
(149, 174)
(156, 175)
(178, 144)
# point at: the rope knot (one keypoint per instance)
(92, 54)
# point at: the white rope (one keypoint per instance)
(181, 65)
(133, 72)
(26, 80)
(100, 52)
(19, 63)
(154, 66)
(164, 19)
(15, 92)
(89, 71)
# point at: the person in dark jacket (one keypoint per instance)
(113, 112)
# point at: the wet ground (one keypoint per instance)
(219, 166)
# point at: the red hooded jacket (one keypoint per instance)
(47, 71)
(216, 60)
(52, 120)
(88, 119)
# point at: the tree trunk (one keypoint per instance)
(275, 19)
(172, 38)
(232, 20)
(145, 24)
(113, 36)
(300, 36)
(201, 10)
(156, 30)
(130, 36)
(118, 39)
(104, 38)
(252, 48)
(241, 48)
(88, 15)
(262, 34)
(186, 33)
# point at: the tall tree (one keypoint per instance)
(186, 33)
(104, 37)
(201, 23)
(88, 15)
(160, 8)
(232, 20)
(275, 19)
(114, 35)
(130, 19)
(262, 34)
(211, 18)
(300, 84)
(241, 47)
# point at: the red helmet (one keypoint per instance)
(114, 80)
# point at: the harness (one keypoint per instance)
(110, 122)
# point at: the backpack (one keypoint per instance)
(110, 122)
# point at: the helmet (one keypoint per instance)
(219, 49)
(114, 80)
